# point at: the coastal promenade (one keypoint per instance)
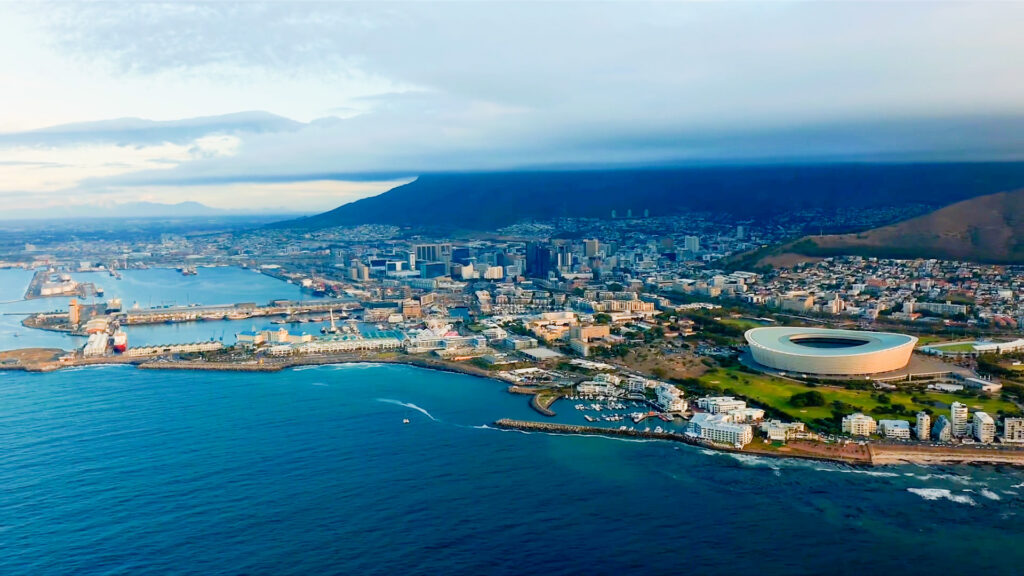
(869, 454)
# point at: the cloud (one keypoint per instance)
(359, 91)
(129, 131)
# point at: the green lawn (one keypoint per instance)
(960, 347)
(775, 392)
(742, 323)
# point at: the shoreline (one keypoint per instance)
(875, 454)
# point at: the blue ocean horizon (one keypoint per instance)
(115, 470)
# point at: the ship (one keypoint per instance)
(188, 271)
(120, 341)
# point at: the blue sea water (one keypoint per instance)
(149, 288)
(115, 470)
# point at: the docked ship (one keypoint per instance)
(120, 341)
(188, 270)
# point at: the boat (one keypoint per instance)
(405, 420)
(120, 341)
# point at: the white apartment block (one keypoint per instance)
(924, 424)
(984, 427)
(859, 425)
(958, 417)
(720, 404)
(1013, 430)
(718, 428)
(894, 429)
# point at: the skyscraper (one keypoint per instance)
(958, 418)
(924, 423)
(538, 260)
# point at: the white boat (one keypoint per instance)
(405, 421)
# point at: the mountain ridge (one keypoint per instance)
(987, 229)
(491, 200)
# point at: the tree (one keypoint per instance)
(602, 318)
(809, 398)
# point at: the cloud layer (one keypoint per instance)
(355, 92)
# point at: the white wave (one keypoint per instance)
(408, 405)
(356, 365)
(990, 494)
(750, 460)
(1021, 485)
(94, 367)
(940, 494)
(875, 473)
(963, 480)
(302, 368)
(319, 384)
(486, 427)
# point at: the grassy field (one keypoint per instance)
(775, 392)
(960, 347)
(927, 339)
(742, 323)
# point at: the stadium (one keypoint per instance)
(826, 352)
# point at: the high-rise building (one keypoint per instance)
(74, 312)
(741, 232)
(1013, 430)
(590, 248)
(924, 423)
(958, 417)
(984, 427)
(563, 255)
(433, 269)
(691, 243)
(942, 430)
(434, 252)
(539, 259)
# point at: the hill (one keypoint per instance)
(485, 201)
(984, 229)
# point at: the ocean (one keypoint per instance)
(116, 470)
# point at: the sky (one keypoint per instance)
(303, 107)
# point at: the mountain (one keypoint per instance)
(484, 201)
(984, 229)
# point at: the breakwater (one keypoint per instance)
(882, 454)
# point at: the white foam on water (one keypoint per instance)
(486, 427)
(941, 494)
(990, 494)
(875, 473)
(319, 384)
(408, 405)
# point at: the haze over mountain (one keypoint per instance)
(136, 210)
(988, 229)
(489, 200)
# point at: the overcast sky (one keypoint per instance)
(308, 106)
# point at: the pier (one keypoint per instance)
(178, 314)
